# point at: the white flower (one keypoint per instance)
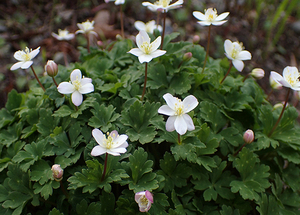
(146, 51)
(63, 35)
(210, 17)
(77, 87)
(179, 120)
(148, 27)
(274, 84)
(235, 52)
(117, 2)
(289, 79)
(114, 144)
(144, 200)
(163, 5)
(25, 58)
(86, 27)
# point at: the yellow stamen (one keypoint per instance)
(77, 83)
(146, 47)
(178, 108)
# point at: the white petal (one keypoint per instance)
(118, 150)
(139, 25)
(79, 32)
(222, 16)
(86, 81)
(189, 122)
(170, 100)
(98, 136)
(34, 52)
(180, 125)
(77, 98)
(291, 72)
(145, 58)
(170, 123)
(19, 55)
(26, 64)
(217, 23)
(228, 46)
(16, 66)
(189, 103)
(142, 37)
(66, 88)
(157, 53)
(87, 88)
(204, 23)
(244, 55)
(136, 51)
(155, 44)
(75, 75)
(98, 150)
(279, 79)
(166, 110)
(199, 15)
(109, 151)
(56, 36)
(238, 64)
(120, 140)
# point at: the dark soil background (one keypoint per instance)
(30, 23)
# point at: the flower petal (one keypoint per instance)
(26, 64)
(16, 66)
(141, 38)
(34, 52)
(118, 150)
(189, 122)
(228, 47)
(170, 123)
(170, 100)
(77, 98)
(218, 22)
(87, 88)
(121, 140)
(19, 55)
(157, 53)
(86, 81)
(222, 16)
(166, 110)
(204, 23)
(136, 51)
(279, 79)
(98, 136)
(75, 75)
(238, 64)
(149, 196)
(199, 15)
(98, 150)
(155, 44)
(244, 55)
(180, 125)
(189, 103)
(139, 25)
(145, 58)
(66, 88)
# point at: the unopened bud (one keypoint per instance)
(187, 56)
(196, 39)
(51, 68)
(248, 136)
(57, 172)
(258, 73)
(275, 85)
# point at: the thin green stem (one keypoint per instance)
(105, 164)
(281, 114)
(122, 21)
(207, 48)
(227, 72)
(37, 78)
(145, 82)
(164, 29)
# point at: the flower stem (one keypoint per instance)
(207, 48)
(105, 164)
(270, 93)
(88, 42)
(179, 141)
(37, 78)
(246, 76)
(54, 82)
(64, 190)
(122, 21)
(235, 154)
(164, 28)
(281, 114)
(145, 82)
(227, 72)
(157, 19)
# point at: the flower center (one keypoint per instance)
(179, 108)
(164, 3)
(26, 55)
(146, 47)
(87, 26)
(237, 48)
(109, 142)
(77, 83)
(63, 33)
(292, 78)
(211, 14)
(143, 200)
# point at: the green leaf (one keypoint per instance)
(169, 37)
(232, 136)
(107, 203)
(46, 189)
(14, 100)
(46, 122)
(157, 76)
(103, 117)
(227, 210)
(180, 83)
(267, 205)
(11, 134)
(5, 117)
(253, 175)
(83, 208)
(41, 172)
(54, 211)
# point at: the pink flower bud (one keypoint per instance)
(249, 136)
(144, 200)
(196, 39)
(187, 56)
(51, 68)
(57, 172)
(258, 73)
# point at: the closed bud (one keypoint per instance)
(196, 39)
(258, 73)
(57, 172)
(248, 136)
(51, 68)
(187, 56)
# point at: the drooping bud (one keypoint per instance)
(258, 73)
(57, 172)
(248, 136)
(144, 200)
(187, 56)
(196, 39)
(51, 68)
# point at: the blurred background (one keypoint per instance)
(269, 29)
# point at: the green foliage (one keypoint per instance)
(211, 170)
